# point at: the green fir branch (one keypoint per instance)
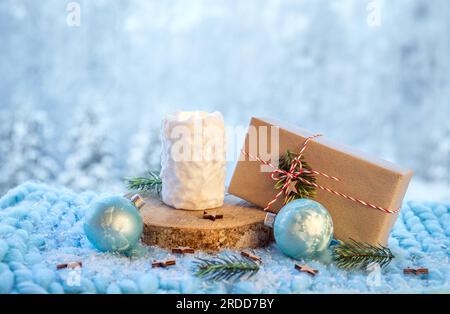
(303, 190)
(357, 255)
(225, 268)
(150, 183)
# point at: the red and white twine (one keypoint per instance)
(294, 174)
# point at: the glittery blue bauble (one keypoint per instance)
(303, 228)
(113, 224)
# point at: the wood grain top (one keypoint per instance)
(236, 213)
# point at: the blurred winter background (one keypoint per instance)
(84, 85)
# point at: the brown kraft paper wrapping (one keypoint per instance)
(364, 177)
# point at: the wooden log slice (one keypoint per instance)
(242, 226)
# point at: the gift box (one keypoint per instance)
(362, 193)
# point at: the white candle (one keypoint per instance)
(193, 162)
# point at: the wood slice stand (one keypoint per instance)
(242, 226)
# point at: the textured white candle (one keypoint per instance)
(193, 162)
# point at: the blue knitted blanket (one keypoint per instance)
(41, 227)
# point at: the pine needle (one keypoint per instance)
(303, 190)
(225, 268)
(357, 255)
(150, 183)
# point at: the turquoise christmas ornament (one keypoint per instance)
(113, 224)
(303, 228)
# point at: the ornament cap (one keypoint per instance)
(137, 201)
(269, 221)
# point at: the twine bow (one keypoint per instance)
(296, 170)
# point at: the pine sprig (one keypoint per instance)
(152, 182)
(303, 190)
(224, 268)
(357, 255)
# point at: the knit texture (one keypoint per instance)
(42, 226)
